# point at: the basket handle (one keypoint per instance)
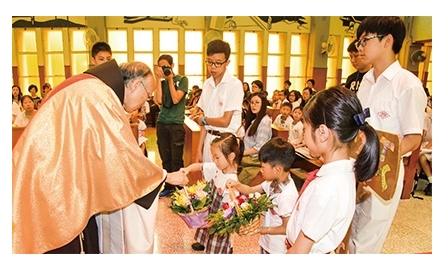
(186, 193)
(233, 198)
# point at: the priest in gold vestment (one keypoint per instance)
(78, 157)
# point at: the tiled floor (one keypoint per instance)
(411, 231)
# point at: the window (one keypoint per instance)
(194, 58)
(117, 40)
(275, 76)
(27, 62)
(80, 54)
(143, 47)
(231, 38)
(168, 44)
(252, 57)
(298, 61)
(54, 59)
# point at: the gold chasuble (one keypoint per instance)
(76, 158)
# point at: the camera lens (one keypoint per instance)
(166, 70)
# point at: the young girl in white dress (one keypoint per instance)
(226, 151)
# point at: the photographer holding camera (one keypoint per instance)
(170, 94)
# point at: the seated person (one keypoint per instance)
(191, 103)
(258, 132)
(284, 118)
(296, 131)
(28, 112)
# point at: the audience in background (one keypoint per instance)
(310, 84)
(307, 93)
(23, 118)
(46, 88)
(284, 118)
(295, 98)
(296, 131)
(257, 133)
(32, 89)
(247, 91)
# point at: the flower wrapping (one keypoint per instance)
(191, 203)
(195, 219)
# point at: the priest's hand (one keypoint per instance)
(178, 178)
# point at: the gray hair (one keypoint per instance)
(134, 70)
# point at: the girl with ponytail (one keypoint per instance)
(333, 118)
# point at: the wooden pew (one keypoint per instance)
(273, 113)
(278, 131)
(192, 134)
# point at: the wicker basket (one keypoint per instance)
(251, 228)
(195, 219)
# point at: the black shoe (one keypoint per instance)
(197, 246)
(428, 190)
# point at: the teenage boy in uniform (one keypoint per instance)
(397, 102)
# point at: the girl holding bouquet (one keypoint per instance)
(226, 150)
(333, 118)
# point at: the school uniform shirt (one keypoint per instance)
(325, 209)
(397, 102)
(284, 202)
(283, 123)
(215, 100)
(295, 131)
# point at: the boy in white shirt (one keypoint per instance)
(284, 118)
(276, 157)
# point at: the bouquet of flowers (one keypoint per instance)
(191, 203)
(241, 215)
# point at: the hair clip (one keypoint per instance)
(360, 117)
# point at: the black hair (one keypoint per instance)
(312, 81)
(288, 82)
(277, 151)
(352, 46)
(26, 96)
(33, 86)
(384, 25)
(100, 46)
(287, 104)
(248, 85)
(229, 143)
(166, 57)
(259, 84)
(20, 92)
(336, 108)
(219, 46)
(262, 112)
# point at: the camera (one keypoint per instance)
(166, 70)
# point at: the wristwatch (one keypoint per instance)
(204, 121)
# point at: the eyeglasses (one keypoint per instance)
(148, 94)
(363, 42)
(215, 64)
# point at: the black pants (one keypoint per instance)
(170, 142)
